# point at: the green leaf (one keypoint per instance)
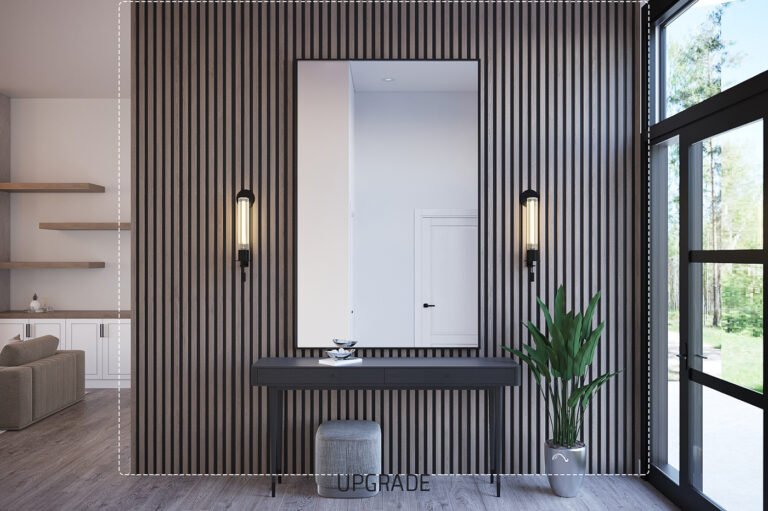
(528, 361)
(560, 305)
(586, 353)
(589, 314)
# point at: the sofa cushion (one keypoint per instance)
(21, 353)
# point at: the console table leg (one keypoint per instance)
(281, 426)
(498, 421)
(274, 427)
(490, 406)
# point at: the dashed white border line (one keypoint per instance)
(119, 213)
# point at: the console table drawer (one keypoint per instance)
(321, 376)
(449, 377)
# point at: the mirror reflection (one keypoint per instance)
(387, 180)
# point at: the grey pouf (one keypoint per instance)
(352, 449)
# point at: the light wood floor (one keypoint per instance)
(69, 461)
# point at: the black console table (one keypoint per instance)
(489, 374)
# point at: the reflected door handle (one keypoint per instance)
(701, 356)
(428, 305)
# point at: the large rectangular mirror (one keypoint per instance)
(387, 198)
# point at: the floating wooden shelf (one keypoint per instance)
(48, 265)
(51, 188)
(85, 226)
(66, 314)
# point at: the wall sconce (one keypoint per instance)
(245, 200)
(530, 201)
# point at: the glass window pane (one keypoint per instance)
(732, 323)
(665, 177)
(712, 46)
(673, 303)
(731, 174)
(730, 457)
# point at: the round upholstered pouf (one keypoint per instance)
(348, 459)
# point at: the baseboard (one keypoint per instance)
(107, 384)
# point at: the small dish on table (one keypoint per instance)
(344, 344)
(340, 354)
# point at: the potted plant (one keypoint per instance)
(559, 362)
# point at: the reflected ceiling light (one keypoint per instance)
(387, 79)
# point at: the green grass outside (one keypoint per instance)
(742, 356)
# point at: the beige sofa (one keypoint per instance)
(37, 380)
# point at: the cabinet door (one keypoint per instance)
(83, 334)
(117, 349)
(10, 328)
(54, 327)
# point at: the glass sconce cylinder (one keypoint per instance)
(245, 199)
(530, 203)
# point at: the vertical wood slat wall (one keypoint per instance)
(213, 93)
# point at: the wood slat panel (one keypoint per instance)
(213, 91)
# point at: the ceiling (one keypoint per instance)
(414, 76)
(62, 48)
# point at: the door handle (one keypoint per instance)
(700, 356)
(428, 305)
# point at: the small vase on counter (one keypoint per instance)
(35, 305)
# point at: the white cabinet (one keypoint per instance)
(25, 329)
(83, 334)
(41, 327)
(116, 347)
(12, 328)
(106, 343)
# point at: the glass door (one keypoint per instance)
(722, 309)
(708, 104)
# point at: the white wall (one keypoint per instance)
(411, 151)
(69, 140)
(323, 301)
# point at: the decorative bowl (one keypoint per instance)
(340, 354)
(344, 343)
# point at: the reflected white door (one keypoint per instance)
(446, 278)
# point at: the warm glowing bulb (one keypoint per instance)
(532, 223)
(243, 223)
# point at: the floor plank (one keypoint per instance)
(69, 461)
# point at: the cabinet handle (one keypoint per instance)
(101, 330)
(28, 329)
